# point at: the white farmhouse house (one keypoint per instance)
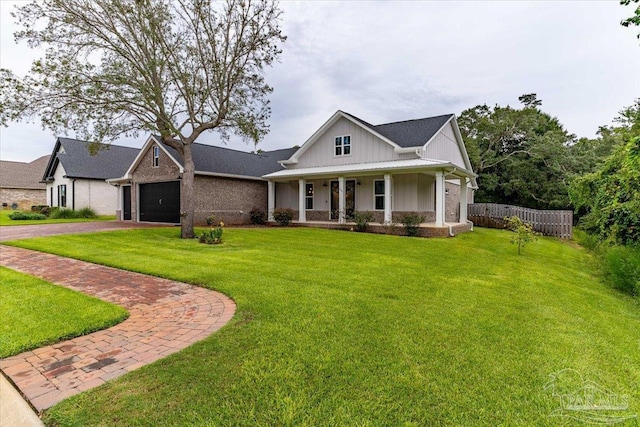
(390, 169)
(75, 178)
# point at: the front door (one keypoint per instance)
(126, 203)
(350, 199)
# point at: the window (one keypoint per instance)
(343, 146)
(156, 156)
(62, 196)
(378, 194)
(308, 198)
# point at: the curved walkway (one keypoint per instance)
(165, 317)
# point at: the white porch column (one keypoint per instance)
(302, 208)
(463, 199)
(341, 200)
(440, 199)
(387, 199)
(271, 204)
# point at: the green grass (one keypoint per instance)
(339, 328)
(5, 220)
(35, 313)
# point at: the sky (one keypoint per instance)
(388, 61)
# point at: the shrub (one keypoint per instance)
(38, 208)
(46, 211)
(29, 216)
(212, 236)
(283, 216)
(86, 213)
(211, 220)
(411, 222)
(362, 219)
(258, 216)
(63, 213)
(524, 232)
(621, 268)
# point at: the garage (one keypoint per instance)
(160, 202)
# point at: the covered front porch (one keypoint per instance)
(439, 191)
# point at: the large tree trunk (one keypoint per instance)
(187, 194)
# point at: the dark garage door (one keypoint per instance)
(160, 202)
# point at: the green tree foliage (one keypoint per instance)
(632, 20)
(177, 68)
(524, 233)
(610, 196)
(520, 155)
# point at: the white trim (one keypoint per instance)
(354, 169)
(302, 211)
(388, 209)
(317, 134)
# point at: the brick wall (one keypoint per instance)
(23, 197)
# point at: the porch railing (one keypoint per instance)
(554, 223)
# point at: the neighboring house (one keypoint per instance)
(20, 185)
(75, 178)
(228, 183)
(391, 169)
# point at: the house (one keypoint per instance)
(228, 183)
(390, 169)
(20, 186)
(75, 178)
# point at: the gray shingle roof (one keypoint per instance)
(408, 133)
(23, 175)
(221, 160)
(112, 161)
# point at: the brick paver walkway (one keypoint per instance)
(165, 317)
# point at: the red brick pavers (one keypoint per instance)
(165, 317)
(15, 232)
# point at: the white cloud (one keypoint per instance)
(386, 61)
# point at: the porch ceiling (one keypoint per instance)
(361, 169)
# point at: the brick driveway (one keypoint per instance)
(15, 232)
(165, 317)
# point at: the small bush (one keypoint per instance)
(38, 208)
(362, 219)
(523, 230)
(212, 236)
(621, 268)
(46, 211)
(211, 220)
(411, 223)
(63, 213)
(258, 216)
(283, 216)
(29, 216)
(86, 213)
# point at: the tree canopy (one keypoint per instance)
(176, 68)
(610, 196)
(520, 155)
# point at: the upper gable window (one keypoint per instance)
(156, 156)
(343, 146)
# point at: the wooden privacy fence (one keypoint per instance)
(547, 222)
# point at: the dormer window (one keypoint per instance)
(156, 156)
(343, 146)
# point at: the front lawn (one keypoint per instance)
(5, 220)
(35, 313)
(339, 328)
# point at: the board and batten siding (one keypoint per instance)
(444, 146)
(84, 193)
(365, 148)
